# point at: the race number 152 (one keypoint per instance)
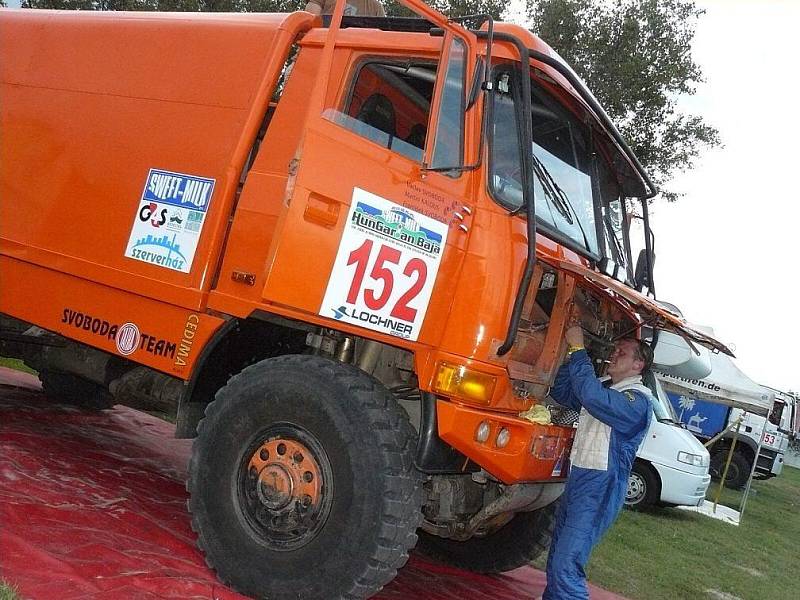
(390, 269)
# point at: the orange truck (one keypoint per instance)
(322, 245)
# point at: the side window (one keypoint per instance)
(777, 411)
(390, 104)
(448, 144)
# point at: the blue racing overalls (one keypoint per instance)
(612, 424)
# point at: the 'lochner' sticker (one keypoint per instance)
(385, 268)
(169, 220)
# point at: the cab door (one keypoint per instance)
(369, 232)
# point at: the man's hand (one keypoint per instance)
(574, 336)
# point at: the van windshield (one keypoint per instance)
(662, 407)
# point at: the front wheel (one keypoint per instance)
(302, 481)
(523, 539)
(644, 488)
(738, 471)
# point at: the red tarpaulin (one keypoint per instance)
(93, 505)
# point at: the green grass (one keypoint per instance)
(14, 363)
(8, 591)
(670, 554)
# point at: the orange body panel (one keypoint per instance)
(79, 139)
(165, 337)
(98, 100)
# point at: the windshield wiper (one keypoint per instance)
(552, 190)
(557, 196)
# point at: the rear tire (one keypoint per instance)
(75, 391)
(302, 482)
(738, 471)
(520, 541)
(644, 487)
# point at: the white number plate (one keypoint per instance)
(385, 268)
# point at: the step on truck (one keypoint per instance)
(342, 252)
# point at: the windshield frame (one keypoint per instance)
(599, 228)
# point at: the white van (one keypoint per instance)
(671, 466)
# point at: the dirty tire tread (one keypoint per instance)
(516, 544)
(401, 497)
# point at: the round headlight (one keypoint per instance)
(482, 432)
(503, 437)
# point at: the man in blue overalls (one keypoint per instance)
(614, 416)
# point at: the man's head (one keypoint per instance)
(630, 357)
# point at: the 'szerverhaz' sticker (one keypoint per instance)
(169, 219)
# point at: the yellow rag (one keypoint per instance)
(538, 413)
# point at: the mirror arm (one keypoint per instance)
(487, 87)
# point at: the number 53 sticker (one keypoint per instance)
(385, 268)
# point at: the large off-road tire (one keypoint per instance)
(76, 391)
(302, 482)
(644, 486)
(738, 471)
(523, 539)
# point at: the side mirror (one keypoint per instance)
(642, 274)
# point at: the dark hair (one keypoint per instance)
(643, 352)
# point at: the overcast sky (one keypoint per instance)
(727, 253)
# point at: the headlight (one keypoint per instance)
(697, 460)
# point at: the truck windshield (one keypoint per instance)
(577, 197)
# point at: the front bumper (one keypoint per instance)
(681, 487)
(533, 453)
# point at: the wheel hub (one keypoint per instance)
(275, 487)
(283, 491)
(636, 488)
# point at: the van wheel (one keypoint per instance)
(644, 487)
(738, 471)
(523, 539)
(75, 391)
(302, 482)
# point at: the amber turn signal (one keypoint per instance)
(465, 384)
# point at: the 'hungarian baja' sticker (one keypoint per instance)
(385, 268)
(169, 220)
